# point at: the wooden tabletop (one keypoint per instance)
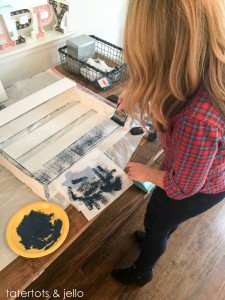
(84, 237)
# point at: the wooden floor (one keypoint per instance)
(192, 268)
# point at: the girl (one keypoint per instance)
(175, 51)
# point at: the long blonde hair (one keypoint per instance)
(171, 46)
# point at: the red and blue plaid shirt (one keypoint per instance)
(194, 147)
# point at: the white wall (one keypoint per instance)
(103, 18)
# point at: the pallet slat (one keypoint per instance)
(31, 118)
(44, 132)
(38, 160)
(21, 107)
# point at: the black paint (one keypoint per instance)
(37, 231)
(72, 154)
(111, 184)
(82, 179)
(93, 192)
(88, 141)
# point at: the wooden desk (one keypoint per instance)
(84, 237)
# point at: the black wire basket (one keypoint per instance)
(112, 55)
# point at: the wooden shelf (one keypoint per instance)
(32, 46)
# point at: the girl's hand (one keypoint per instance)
(138, 172)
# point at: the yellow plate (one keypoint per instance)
(40, 208)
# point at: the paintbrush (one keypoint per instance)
(119, 117)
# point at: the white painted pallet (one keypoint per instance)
(47, 133)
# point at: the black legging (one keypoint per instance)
(163, 216)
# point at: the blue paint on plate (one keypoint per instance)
(37, 231)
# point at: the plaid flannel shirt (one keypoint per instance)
(194, 147)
